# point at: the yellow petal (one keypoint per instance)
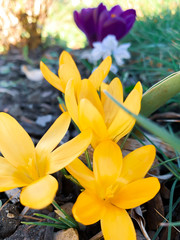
(104, 86)
(139, 88)
(10, 177)
(88, 208)
(54, 134)
(90, 117)
(137, 163)
(51, 77)
(101, 72)
(40, 193)
(49, 141)
(107, 164)
(71, 101)
(89, 92)
(105, 65)
(134, 97)
(136, 193)
(15, 144)
(66, 73)
(96, 78)
(65, 58)
(82, 173)
(123, 122)
(68, 69)
(66, 153)
(117, 225)
(110, 108)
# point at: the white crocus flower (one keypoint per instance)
(108, 47)
(121, 53)
(110, 43)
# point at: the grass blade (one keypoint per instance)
(47, 217)
(59, 226)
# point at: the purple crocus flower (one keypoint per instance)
(98, 22)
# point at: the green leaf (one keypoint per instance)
(59, 226)
(160, 93)
(151, 126)
(64, 217)
(167, 216)
(47, 217)
(170, 207)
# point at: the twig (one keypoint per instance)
(98, 236)
(9, 200)
(165, 219)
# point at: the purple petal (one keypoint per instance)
(85, 22)
(97, 12)
(77, 19)
(114, 26)
(116, 10)
(104, 16)
(128, 12)
(130, 17)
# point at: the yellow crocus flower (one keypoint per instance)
(116, 184)
(68, 70)
(24, 165)
(89, 109)
(101, 114)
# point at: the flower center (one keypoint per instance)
(109, 192)
(113, 15)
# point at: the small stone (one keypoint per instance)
(32, 74)
(43, 120)
(13, 194)
(67, 207)
(69, 234)
(29, 233)
(10, 215)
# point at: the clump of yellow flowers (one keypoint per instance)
(115, 184)
(87, 108)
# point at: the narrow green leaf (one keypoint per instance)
(160, 93)
(167, 216)
(47, 217)
(65, 218)
(170, 208)
(151, 126)
(59, 226)
(88, 160)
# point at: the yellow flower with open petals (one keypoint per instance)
(113, 186)
(100, 113)
(23, 165)
(68, 70)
